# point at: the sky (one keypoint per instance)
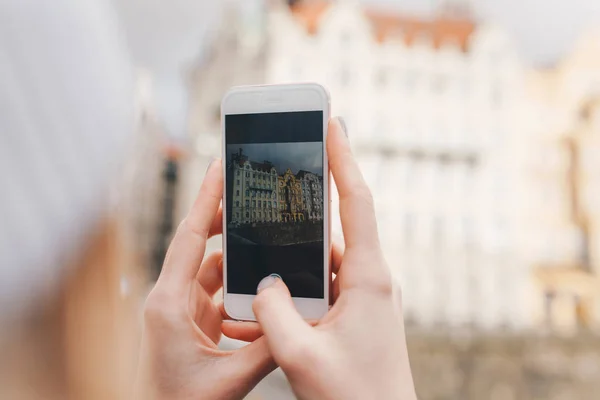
(167, 37)
(297, 156)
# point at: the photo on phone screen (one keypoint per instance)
(274, 201)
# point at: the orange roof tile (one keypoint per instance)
(309, 13)
(439, 30)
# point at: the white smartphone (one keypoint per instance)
(276, 195)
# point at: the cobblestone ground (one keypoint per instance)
(505, 367)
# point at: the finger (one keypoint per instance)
(217, 225)
(206, 316)
(224, 314)
(241, 330)
(280, 322)
(337, 253)
(210, 275)
(187, 248)
(357, 212)
(335, 290)
(248, 366)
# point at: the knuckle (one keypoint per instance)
(383, 283)
(158, 308)
(383, 287)
(397, 291)
(299, 357)
(364, 194)
(198, 230)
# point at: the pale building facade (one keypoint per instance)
(254, 193)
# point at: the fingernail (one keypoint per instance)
(212, 160)
(267, 281)
(343, 125)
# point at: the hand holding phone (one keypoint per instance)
(276, 219)
(179, 357)
(358, 349)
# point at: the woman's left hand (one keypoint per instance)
(179, 357)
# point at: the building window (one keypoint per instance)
(381, 78)
(247, 215)
(237, 192)
(238, 181)
(439, 84)
(345, 38)
(247, 192)
(259, 214)
(259, 203)
(468, 231)
(408, 229)
(274, 205)
(254, 214)
(496, 94)
(237, 215)
(238, 174)
(247, 174)
(254, 175)
(247, 203)
(344, 76)
(237, 203)
(253, 203)
(410, 81)
(437, 232)
(465, 86)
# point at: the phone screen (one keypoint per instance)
(274, 201)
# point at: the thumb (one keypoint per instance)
(248, 366)
(277, 315)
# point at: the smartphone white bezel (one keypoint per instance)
(268, 99)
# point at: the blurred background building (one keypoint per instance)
(437, 114)
(561, 216)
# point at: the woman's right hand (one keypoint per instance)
(358, 349)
